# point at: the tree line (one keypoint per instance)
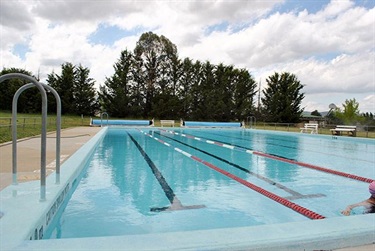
(153, 82)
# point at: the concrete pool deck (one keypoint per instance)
(28, 153)
(72, 139)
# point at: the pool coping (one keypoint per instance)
(25, 219)
(327, 234)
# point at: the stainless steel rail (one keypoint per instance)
(43, 132)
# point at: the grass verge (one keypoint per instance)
(29, 125)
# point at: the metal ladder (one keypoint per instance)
(101, 118)
(251, 120)
(41, 87)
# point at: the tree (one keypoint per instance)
(153, 82)
(29, 101)
(84, 93)
(222, 93)
(369, 119)
(64, 85)
(166, 102)
(116, 96)
(244, 92)
(282, 98)
(75, 88)
(316, 113)
(368, 116)
(153, 57)
(196, 94)
(208, 93)
(350, 114)
(184, 93)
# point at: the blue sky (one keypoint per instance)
(327, 44)
(107, 34)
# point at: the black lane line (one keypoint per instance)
(311, 166)
(271, 154)
(295, 194)
(291, 147)
(175, 202)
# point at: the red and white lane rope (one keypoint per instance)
(266, 155)
(297, 208)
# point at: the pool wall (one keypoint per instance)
(327, 234)
(25, 217)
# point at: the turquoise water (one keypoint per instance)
(133, 179)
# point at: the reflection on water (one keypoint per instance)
(120, 188)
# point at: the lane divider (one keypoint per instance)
(270, 156)
(294, 194)
(297, 208)
(175, 202)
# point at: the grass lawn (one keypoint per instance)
(30, 125)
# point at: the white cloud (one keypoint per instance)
(337, 75)
(15, 15)
(335, 8)
(331, 51)
(70, 11)
(366, 103)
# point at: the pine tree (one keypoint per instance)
(118, 96)
(75, 88)
(64, 86)
(84, 93)
(28, 101)
(282, 98)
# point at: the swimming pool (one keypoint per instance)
(143, 181)
(197, 189)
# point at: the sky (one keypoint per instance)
(328, 45)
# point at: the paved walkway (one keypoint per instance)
(28, 151)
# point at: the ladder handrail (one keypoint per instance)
(58, 122)
(43, 131)
(250, 120)
(101, 118)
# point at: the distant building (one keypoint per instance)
(306, 117)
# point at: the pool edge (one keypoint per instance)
(25, 217)
(332, 233)
(327, 234)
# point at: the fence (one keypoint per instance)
(29, 126)
(365, 131)
(37, 121)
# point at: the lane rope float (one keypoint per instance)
(270, 156)
(169, 193)
(294, 194)
(295, 207)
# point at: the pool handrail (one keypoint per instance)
(43, 131)
(250, 120)
(101, 118)
(58, 123)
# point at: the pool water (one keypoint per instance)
(138, 181)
